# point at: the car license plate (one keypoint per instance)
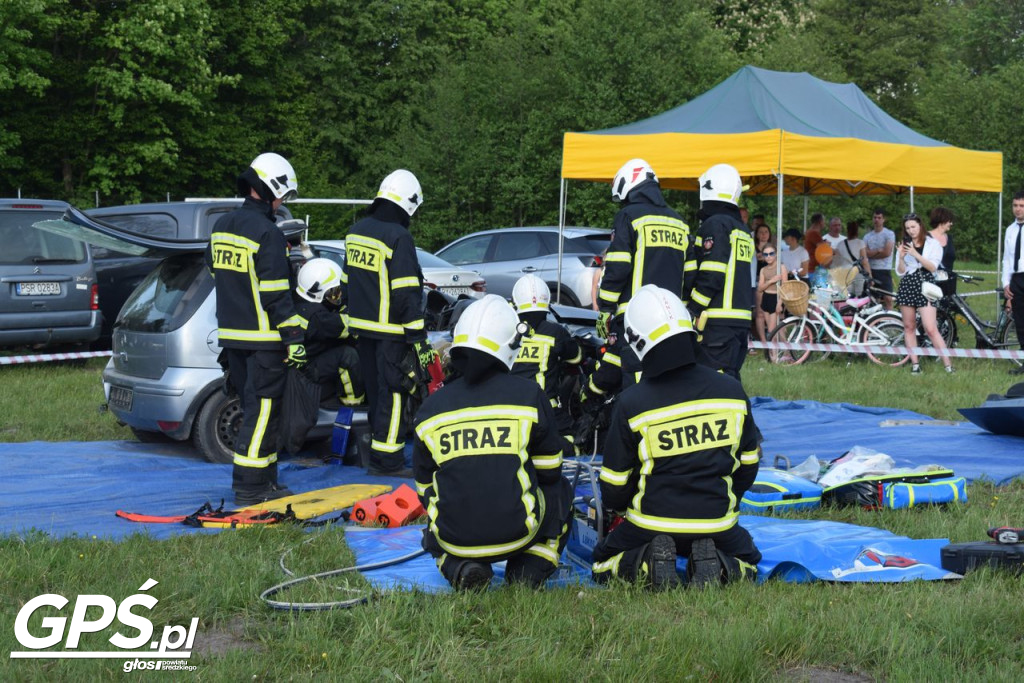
(38, 288)
(456, 291)
(121, 397)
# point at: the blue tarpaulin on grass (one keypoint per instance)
(796, 551)
(798, 429)
(74, 488)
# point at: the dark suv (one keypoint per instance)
(48, 289)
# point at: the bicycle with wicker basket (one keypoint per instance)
(817, 321)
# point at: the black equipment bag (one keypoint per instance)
(300, 406)
(964, 557)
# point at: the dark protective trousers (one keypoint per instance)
(724, 348)
(258, 377)
(339, 374)
(381, 361)
(1017, 305)
(535, 563)
(619, 553)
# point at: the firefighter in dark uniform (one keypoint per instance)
(333, 360)
(721, 295)
(382, 286)
(681, 451)
(649, 246)
(488, 459)
(257, 324)
(547, 347)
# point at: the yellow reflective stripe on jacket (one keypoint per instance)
(607, 295)
(525, 412)
(613, 477)
(749, 457)
(370, 242)
(699, 298)
(405, 282)
(374, 326)
(686, 409)
(617, 257)
(713, 266)
(237, 240)
(671, 525)
(611, 359)
(293, 321)
(729, 313)
(273, 285)
(249, 335)
(547, 462)
(414, 325)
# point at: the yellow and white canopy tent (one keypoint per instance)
(786, 133)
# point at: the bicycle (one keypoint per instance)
(870, 326)
(998, 334)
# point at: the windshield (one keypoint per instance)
(428, 260)
(21, 244)
(168, 296)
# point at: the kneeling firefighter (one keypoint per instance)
(547, 347)
(333, 362)
(487, 459)
(681, 451)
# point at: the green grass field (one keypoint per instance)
(967, 630)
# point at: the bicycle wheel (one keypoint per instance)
(1009, 339)
(794, 330)
(884, 329)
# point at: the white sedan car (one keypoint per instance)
(437, 273)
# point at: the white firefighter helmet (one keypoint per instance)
(277, 174)
(721, 183)
(531, 294)
(317, 278)
(490, 325)
(402, 188)
(652, 316)
(632, 173)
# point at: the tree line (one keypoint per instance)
(135, 101)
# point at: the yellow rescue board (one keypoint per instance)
(313, 503)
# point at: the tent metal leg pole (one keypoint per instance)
(806, 198)
(561, 239)
(999, 245)
(778, 227)
(911, 199)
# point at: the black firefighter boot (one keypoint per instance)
(466, 574)
(658, 563)
(254, 485)
(704, 566)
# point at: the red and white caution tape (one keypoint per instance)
(890, 350)
(43, 358)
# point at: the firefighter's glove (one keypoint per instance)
(604, 323)
(700, 323)
(344, 326)
(426, 354)
(296, 356)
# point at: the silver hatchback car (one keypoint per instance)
(163, 379)
(502, 256)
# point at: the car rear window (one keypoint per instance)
(591, 244)
(169, 295)
(151, 224)
(21, 244)
(516, 246)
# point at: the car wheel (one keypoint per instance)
(146, 436)
(568, 299)
(216, 427)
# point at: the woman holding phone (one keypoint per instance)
(917, 258)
